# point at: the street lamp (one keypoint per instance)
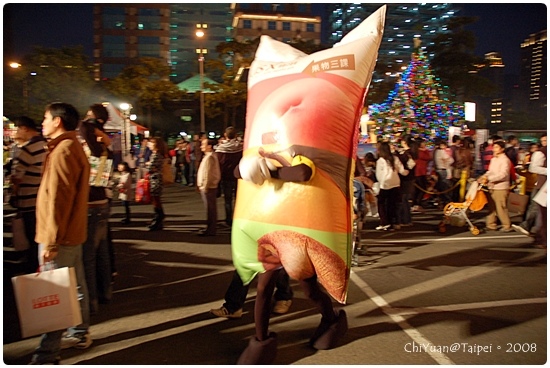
(15, 65)
(125, 137)
(200, 34)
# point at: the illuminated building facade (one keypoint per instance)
(284, 22)
(404, 23)
(533, 73)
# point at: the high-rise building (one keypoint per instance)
(285, 22)
(123, 33)
(533, 73)
(186, 18)
(404, 23)
(493, 107)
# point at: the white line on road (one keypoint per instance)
(440, 358)
(442, 239)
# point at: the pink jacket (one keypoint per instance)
(498, 175)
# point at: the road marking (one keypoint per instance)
(443, 239)
(414, 334)
(466, 306)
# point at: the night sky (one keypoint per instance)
(501, 27)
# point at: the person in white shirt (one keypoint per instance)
(208, 178)
(443, 162)
(388, 168)
(497, 179)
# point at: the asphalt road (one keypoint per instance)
(418, 297)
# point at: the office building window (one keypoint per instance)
(286, 26)
(247, 24)
(149, 19)
(310, 27)
(111, 70)
(271, 25)
(148, 46)
(302, 8)
(113, 18)
(113, 46)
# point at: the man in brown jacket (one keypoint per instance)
(62, 214)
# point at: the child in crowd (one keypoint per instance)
(125, 189)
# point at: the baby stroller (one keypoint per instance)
(455, 212)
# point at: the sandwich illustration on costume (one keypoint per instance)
(294, 199)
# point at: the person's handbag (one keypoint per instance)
(20, 241)
(517, 203)
(143, 190)
(47, 301)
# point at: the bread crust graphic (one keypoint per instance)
(302, 257)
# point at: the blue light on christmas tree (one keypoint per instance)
(419, 104)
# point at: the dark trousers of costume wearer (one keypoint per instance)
(31, 254)
(235, 296)
(209, 198)
(422, 184)
(229, 188)
(388, 200)
(266, 286)
(96, 257)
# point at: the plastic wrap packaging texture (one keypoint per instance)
(308, 106)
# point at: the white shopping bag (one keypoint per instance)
(541, 196)
(47, 301)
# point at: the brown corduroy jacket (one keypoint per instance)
(62, 202)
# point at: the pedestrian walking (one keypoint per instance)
(208, 179)
(229, 153)
(497, 179)
(125, 191)
(159, 153)
(26, 178)
(235, 296)
(388, 168)
(61, 217)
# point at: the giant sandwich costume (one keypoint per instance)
(294, 200)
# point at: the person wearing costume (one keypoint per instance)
(294, 197)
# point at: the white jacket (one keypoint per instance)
(387, 177)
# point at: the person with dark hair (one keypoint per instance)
(96, 250)
(208, 179)
(443, 162)
(388, 168)
(62, 217)
(407, 182)
(159, 154)
(512, 147)
(124, 187)
(497, 178)
(422, 156)
(229, 153)
(26, 177)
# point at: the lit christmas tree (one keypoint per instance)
(418, 105)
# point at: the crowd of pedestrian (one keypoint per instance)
(409, 177)
(72, 159)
